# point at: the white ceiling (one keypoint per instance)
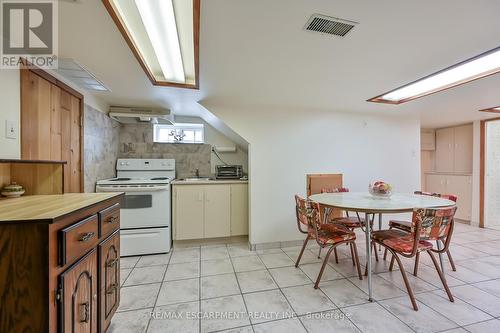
(255, 52)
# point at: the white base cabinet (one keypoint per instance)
(459, 185)
(209, 210)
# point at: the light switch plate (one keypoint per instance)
(11, 129)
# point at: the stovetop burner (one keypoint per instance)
(160, 178)
(119, 179)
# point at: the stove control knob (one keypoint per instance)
(127, 163)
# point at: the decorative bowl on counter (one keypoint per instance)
(380, 189)
(12, 191)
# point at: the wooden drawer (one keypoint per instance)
(109, 279)
(78, 239)
(109, 220)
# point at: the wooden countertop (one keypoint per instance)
(48, 207)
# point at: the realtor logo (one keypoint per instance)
(29, 31)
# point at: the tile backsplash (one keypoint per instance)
(136, 141)
(101, 135)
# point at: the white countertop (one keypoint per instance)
(210, 182)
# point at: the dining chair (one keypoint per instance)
(326, 234)
(350, 222)
(406, 226)
(426, 225)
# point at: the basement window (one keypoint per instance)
(179, 133)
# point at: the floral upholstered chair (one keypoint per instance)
(427, 225)
(350, 222)
(406, 226)
(327, 235)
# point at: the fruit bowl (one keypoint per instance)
(380, 189)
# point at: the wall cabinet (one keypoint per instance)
(459, 185)
(51, 125)
(454, 149)
(60, 273)
(427, 139)
(209, 210)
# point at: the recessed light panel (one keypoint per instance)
(475, 68)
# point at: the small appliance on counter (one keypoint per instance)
(228, 171)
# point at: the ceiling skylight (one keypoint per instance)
(163, 35)
(480, 66)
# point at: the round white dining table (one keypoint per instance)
(364, 202)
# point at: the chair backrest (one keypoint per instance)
(433, 223)
(308, 213)
(334, 189)
(315, 182)
(301, 211)
(451, 197)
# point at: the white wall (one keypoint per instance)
(10, 106)
(286, 145)
(215, 138)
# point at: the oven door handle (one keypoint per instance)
(132, 189)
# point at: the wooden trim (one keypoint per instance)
(32, 161)
(482, 169)
(492, 109)
(135, 50)
(379, 99)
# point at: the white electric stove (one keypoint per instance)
(145, 222)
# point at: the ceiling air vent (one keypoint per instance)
(329, 25)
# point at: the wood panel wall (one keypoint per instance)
(36, 178)
(52, 124)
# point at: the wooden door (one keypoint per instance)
(445, 150)
(79, 296)
(109, 279)
(188, 211)
(239, 209)
(461, 186)
(71, 141)
(35, 117)
(463, 149)
(217, 211)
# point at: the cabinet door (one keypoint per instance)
(445, 150)
(109, 279)
(79, 296)
(461, 186)
(435, 183)
(463, 149)
(239, 209)
(188, 211)
(427, 140)
(217, 210)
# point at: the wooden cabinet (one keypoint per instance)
(51, 124)
(459, 185)
(109, 279)
(79, 296)
(210, 210)
(40, 293)
(454, 149)
(239, 209)
(217, 211)
(427, 139)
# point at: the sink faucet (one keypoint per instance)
(197, 172)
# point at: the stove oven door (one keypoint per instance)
(143, 206)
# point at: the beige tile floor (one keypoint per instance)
(227, 288)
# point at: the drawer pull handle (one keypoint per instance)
(86, 237)
(112, 288)
(113, 219)
(112, 262)
(86, 312)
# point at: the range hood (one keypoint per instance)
(140, 115)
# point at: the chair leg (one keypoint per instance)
(385, 254)
(352, 255)
(323, 267)
(441, 276)
(452, 263)
(415, 268)
(319, 252)
(336, 255)
(391, 266)
(375, 251)
(302, 251)
(407, 283)
(356, 258)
